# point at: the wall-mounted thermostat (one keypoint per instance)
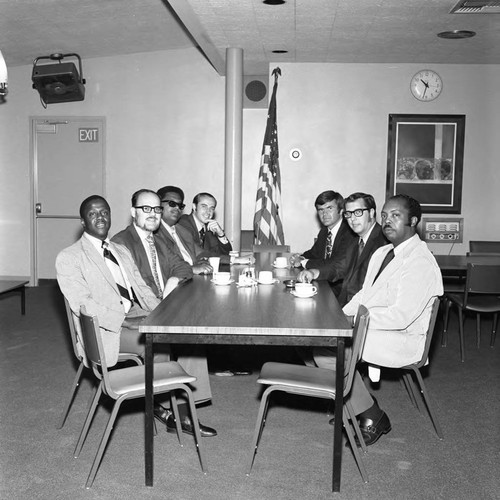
(441, 230)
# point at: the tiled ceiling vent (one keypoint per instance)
(476, 7)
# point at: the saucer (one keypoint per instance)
(280, 267)
(268, 282)
(294, 293)
(218, 283)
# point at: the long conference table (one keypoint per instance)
(200, 312)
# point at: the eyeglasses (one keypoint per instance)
(358, 212)
(174, 204)
(147, 209)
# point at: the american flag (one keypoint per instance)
(268, 229)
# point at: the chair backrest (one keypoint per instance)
(482, 278)
(430, 332)
(270, 248)
(484, 246)
(93, 348)
(72, 328)
(358, 342)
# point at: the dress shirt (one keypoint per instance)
(185, 254)
(333, 231)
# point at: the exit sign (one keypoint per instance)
(88, 135)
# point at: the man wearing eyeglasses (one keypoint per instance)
(176, 236)
(335, 240)
(205, 229)
(360, 213)
(162, 269)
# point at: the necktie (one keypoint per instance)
(329, 245)
(202, 235)
(154, 269)
(389, 256)
(118, 276)
(184, 253)
(361, 245)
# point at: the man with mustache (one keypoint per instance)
(401, 282)
(163, 269)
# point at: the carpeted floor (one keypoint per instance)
(294, 460)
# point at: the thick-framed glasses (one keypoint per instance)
(147, 209)
(173, 204)
(358, 212)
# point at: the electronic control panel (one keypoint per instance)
(441, 230)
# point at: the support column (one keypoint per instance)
(233, 145)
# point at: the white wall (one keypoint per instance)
(165, 125)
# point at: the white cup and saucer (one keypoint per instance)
(280, 262)
(266, 278)
(304, 290)
(222, 278)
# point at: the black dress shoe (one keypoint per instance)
(373, 429)
(187, 427)
(162, 414)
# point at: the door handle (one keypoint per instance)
(38, 208)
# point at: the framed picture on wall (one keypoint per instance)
(425, 156)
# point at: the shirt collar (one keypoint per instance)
(96, 242)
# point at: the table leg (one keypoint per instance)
(23, 299)
(148, 448)
(339, 408)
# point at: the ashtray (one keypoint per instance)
(290, 283)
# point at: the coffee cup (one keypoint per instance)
(266, 277)
(305, 289)
(214, 263)
(222, 278)
(281, 262)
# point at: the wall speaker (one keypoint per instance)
(256, 92)
(59, 82)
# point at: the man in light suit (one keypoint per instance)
(176, 237)
(401, 282)
(360, 213)
(162, 269)
(205, 229)
(335, 242)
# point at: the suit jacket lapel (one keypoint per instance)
(93, 255)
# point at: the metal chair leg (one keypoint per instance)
(352, 442)
(196, 426)
(461, 320)
(259, 426)
(494, 329)
(88, 421)
(444, 335)
(102, 445)
(74, 388)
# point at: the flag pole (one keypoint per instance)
(268, 227)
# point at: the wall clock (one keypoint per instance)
(426, 85)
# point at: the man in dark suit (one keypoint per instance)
(335, 242)
(177, 237)
(360, 213)
(205, 229)
(162, 270)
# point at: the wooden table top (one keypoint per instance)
(199, 306)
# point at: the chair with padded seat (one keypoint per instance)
(126, 383)
(76, 382)
(270, 248)
(318, 383)
(414, 369)
(484, 246)
(481, 295)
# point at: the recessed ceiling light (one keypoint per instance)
(456, 34)
(274, 2)
(279, 51)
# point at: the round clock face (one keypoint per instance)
(426, 85)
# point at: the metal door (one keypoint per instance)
(67, 166)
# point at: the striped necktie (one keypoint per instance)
(202, 235)
(154, 268)
(329, 245)
(118, 276)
